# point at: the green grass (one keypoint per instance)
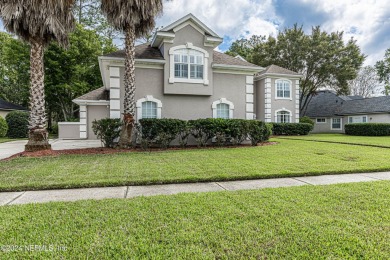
(349, 221)
(383, 141)
(289, 158)
(6, 139)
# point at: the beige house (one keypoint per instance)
(331, 112)
(6, 107)
(181, 75)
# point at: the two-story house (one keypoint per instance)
(181, 75)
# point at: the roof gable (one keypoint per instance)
(276, 70)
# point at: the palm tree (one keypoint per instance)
(135, 18)
(38, 22)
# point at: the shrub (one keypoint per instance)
(54, 129)
(258, 131)
(306, 120)
(203, 130)
(107, 130)
(368, 129)
(17, 124)
(160, 131)
(3, 127)
(237, 130)
(291, 128)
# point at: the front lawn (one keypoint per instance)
(342, 138)
(289, 158)
(349, 221)
(6, 139)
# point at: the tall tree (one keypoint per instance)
(383, 70)
(38, 22)
(322, 58)
(73, 72)
(366, 83)
(134, 18)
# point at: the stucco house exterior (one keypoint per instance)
(331, 112)
(181, 75)
(6, 107)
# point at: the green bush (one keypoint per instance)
(306, 120)
(3, 127)
(368, 129)
(17, 124)
(258, 131)
(160, 131)
(107, 130)
(54, 129)
(291, 128)
(203, 130)
(238, 130)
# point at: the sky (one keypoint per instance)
(367, 21)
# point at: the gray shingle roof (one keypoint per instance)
(327, 104)
(274, 69)
(222, 58)
(143, 51)
(97, 94)
(5, 105)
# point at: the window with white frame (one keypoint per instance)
(337, 123)
(283, 89)
(149, 109)
(357, 119)
(188, 64)
(283, 117)
(223, 111)
(223, 108)
(321, 120)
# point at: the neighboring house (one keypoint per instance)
(180, 75)
(331, 112)
(6, 107)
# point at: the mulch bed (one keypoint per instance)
(102, 150)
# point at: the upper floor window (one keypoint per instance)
(188, 64)
(283, 116)
(283, 89)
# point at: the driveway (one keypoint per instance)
(11, 148)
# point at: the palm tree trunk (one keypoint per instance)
(125, 140)
(37, 123)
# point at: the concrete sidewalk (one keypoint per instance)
(14, 198)
(11, 148)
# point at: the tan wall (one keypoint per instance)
(379, 118)
(187, 107)
(95, 113)
(288, 104)
(69, 130)
(3, 113)
(260, 99)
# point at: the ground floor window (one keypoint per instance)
(283, 117)
(321, 120)
(337, 123)
(223, 108)
(357, 119)
(149, 107)
(223, 111)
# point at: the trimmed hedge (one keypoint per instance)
(107, 130)
(17, 124)
(368, 129)
(221, 132)
(3, 127)
(291, 128)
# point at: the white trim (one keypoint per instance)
(251, 69)
(81, 102)
(188, 46)
(222, 101)
(341, 124)
(70, 123)
(277, 75)
(116, 59)
(276, 89)
(151, 99)
(281, 110)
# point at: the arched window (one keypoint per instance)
(283, 89)
(223, 108)
(148, 107)
(188, 64)
(283, 116)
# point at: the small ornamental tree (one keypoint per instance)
(107, 130)
(3, 127)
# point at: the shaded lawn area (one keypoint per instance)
(342, 138)
(289, 158)
(6, 139)
(348, 221)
